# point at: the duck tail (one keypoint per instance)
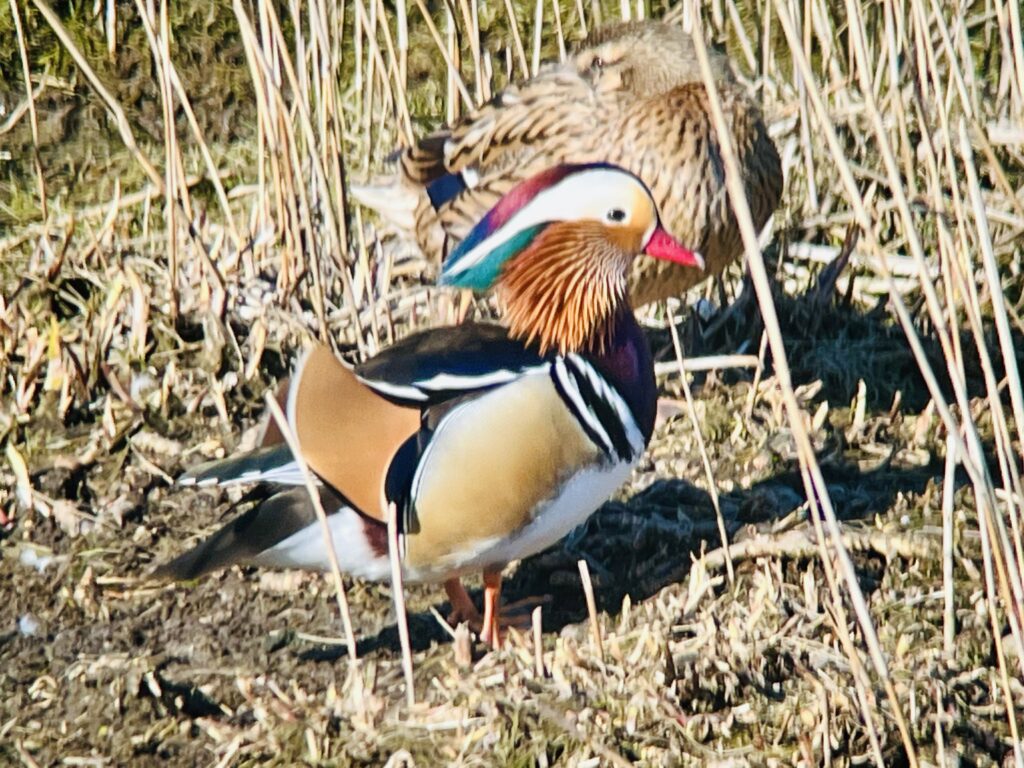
(282, 531)
(219, 551)
(392, 200)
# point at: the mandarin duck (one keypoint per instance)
(491, 442)
(632, 95)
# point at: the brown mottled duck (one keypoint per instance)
(632, 95)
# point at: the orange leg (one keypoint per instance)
(488, 626)
(491, 632)
(462, 607)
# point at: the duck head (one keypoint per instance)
(557, 249)
(643, 59)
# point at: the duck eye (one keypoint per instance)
(597, 64)
(616, 214)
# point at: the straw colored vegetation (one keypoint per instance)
(174, 225)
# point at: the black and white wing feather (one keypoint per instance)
(441, 364)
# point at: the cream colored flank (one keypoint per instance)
(489, 468)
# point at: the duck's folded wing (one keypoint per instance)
(268, 464)
(347, 432)
(244, 539)
(538, 110)
(522, 130)
(442, 364)
(351, 423)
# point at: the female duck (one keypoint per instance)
(491, 443)
(632, 95)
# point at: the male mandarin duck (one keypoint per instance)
(492, 443)
(632, 95)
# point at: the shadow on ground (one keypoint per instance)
(828, 339)
(637, 547)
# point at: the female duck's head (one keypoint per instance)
(557, 249)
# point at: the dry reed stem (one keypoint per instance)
(452, 70)
(162, 59)
(1009, 577)
(123, 126)
(967, 290)
(398, 595)
(31, 101)
(295, 201)
(709, 473)
(927, 40)
(325, 528)
(989, 522)
(559, 35)
(999, 309)
(538, 642)
(817, 487)
(862, 684)
(588, 593)
(513, 24)
(949, 606)
(471, 23)
(14, 115)
(332, 227)
(1018, 48)
(582, 15)
(538, 23)
(451, 44)
(173, 169)
(902, 312)
(402, 35)
(706, 363)
(401, 99)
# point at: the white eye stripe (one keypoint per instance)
(588, 194)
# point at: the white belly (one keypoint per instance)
(578, 499)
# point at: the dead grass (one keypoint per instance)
(139, 335)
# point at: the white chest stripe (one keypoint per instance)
(584, 410)
(611, 395)
(581, 408)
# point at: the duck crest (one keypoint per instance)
(515, 199)
(565, 290)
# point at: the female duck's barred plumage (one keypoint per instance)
(632, 95)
